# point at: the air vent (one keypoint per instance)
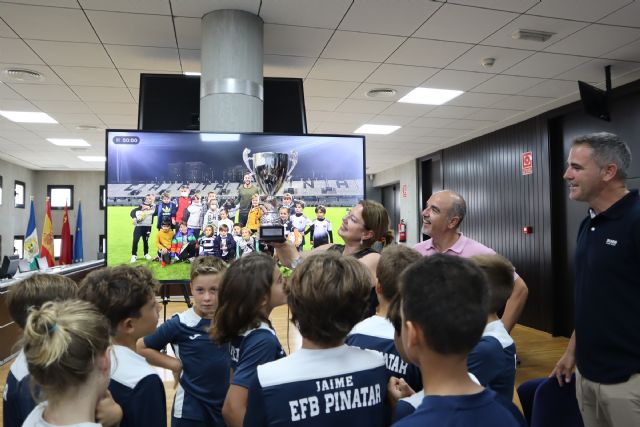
(89, 128)
(532, 35)
(23, 75)
(381, 93)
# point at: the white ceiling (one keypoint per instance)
(91, 53)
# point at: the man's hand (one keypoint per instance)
(567, 363)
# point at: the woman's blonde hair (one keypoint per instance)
(375, 219)
(61, 341)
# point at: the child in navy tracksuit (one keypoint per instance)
(224, 245)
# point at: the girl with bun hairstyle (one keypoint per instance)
(66, 345)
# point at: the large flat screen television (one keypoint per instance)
(329, 171)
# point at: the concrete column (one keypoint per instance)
(231, 90)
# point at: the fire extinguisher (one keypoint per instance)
(402, 231)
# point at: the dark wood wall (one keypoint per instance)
(501, 201)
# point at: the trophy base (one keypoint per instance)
(271, 233)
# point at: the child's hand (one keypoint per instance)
(176, 373)
(108, 412)
(397, 388)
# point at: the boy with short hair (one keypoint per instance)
(127, 297)
(183, 202)
(184, 245)
(224, 246)
(438, 340)
(376, 332)
(320, 229)
(287, 202)
(164, 237)
(326, 382)
(224, 219)
(192, 215)
(493, 359)
(29, 293)
(201, 367)
(142, 219)
(247, 243)
(166, 211)
(300, 222)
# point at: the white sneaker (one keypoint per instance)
(147, 257)
(133, 258)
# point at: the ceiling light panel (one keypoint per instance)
(429, 96)
(28, 117)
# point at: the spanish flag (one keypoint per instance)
(65, 246)
(46, 250)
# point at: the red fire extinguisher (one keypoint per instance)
(402, 231)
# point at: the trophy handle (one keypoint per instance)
(245, 157)
(293, 161)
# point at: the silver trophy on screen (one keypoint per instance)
(270, 171)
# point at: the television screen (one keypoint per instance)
(172, 102)
(146, 165)
(595, 101)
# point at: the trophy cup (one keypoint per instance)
(270, 171)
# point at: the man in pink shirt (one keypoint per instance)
(440, 219)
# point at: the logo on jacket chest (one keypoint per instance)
(611, 242)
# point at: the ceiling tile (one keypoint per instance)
(190, 60)
(593, 71)
(629, 52)
(103, 94)
(411, 131)
(304, 13)
(595, 40)
(552, 89)
(321, 103)
(446, 133)
(132, 77)
(560, 27)
(578, 10)
(130, 120)
(328, 88)
(399, 17)
(351, 118)
(77, 119)
(387, 119)
(6, 124)
(361, 46)
(49, 77)
(456, 80)
(627, 16)
(48, 23)
(507, 84)
(5, 31)
(339, 69)
(319, 116)
(6, 92)
(430, 122)
(463, 24)
(364, 88)
(83, 76)
(361, 106)
(410, 110)
(124, 108)
(69, 107)
(18, 52)
(546, 65)
(17, 105)
(336, 128)
(133, 29)
(451, 112)
(428, 53)
(188, 32)
(198, 8)
(71, 54)
(504, 58)
(155, 7)
(508, 5)
(287, 66)
(522, 102)
(464, 124)
(493, 114)
(296, 41)
(144, 58)
(472, 99)
(403, 75)
(36, 92)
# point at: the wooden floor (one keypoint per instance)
(537, 351)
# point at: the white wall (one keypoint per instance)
(86, 189)
(405, 174)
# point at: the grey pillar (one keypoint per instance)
(231, 82)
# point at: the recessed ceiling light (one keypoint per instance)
(192, 73)
(429, 96)
(69, 142)
(23, 75)
(93, 158)
(28, 117)
(377, 129)
(532, 35)
(384, 92)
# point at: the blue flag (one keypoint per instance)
(77, 241)
(31, 246)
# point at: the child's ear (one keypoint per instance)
(378, 287)
(414, 334)
(126, 326)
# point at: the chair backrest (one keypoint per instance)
(526, 393)
(556, 406)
